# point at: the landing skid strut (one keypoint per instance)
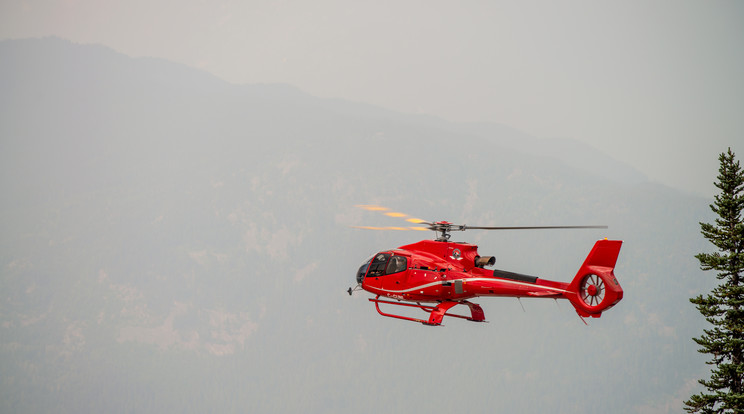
(436, 313)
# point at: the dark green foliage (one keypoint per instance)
(724, 306)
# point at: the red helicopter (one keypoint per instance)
(436, 275)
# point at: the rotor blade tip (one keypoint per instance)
(371, 207)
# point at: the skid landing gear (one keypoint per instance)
(436, 313)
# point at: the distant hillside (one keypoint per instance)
(170, 241)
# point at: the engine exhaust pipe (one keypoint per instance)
(483, 261)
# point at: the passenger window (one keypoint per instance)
(396, 264)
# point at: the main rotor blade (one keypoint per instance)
(531, 227)
(445, 227)
(391, 228)
(386, 211)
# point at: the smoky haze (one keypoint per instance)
(655, 85)
(174, 242)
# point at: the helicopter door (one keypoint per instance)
(376, 271)
(458, 287)
(378, 265)
(395, 273)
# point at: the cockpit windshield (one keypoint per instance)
(379, 262)
(363, 271)
(382, 264)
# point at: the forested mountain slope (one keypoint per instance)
(170, 241)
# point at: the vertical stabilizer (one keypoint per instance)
(595, 289)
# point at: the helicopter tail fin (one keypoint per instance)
(595, 289)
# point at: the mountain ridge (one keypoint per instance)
(161, 72)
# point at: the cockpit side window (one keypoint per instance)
(396, 264)
(377, 267)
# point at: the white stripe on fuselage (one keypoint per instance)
(475, 279)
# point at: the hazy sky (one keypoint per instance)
(659, 84)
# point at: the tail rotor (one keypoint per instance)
(592, 290)
(595, 289)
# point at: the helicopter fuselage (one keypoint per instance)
(449, 273)
(435, 271)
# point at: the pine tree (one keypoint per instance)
(724, 306)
